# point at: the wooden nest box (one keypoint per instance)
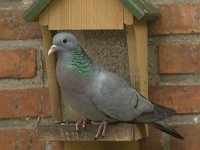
(95, 15)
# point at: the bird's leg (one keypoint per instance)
(102, 129)
(82, 122)
(85, 122)
(78, 123)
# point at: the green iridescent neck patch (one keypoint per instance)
(80, 62)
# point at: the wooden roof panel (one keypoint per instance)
(141, 9)
(33, 12)
(87, 14)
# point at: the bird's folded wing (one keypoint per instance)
(115, 98)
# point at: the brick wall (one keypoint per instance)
(24, 98)
(174, 79)
(174, 49)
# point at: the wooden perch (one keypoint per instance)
(117, 132)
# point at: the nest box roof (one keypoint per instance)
(141, 9)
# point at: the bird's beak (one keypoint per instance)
(52, 49)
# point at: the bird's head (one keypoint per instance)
(63, 42)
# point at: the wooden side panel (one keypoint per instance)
(85, 14)
(138, 55)
(138, 63)
(54, 93)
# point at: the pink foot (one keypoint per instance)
(102, 129)
(82, 122)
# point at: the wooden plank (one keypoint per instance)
(66, 132)
(54, 15)
(138, 62)
(138, 55)
(85, 14)
(109, 145)
(128, 17)
(141, 131)
(59, 132)
(44, 17)
(50, 61)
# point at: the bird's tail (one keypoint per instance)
(167, 129)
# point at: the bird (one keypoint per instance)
(100, 95)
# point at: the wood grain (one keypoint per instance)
(138, 63)
(44, 17)
(50, 62)
(85, 14)
(109, 145)
(138, 55)
(58, 132)
(128, 17)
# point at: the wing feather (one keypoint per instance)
(115, 97)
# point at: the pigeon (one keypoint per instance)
(99, 95)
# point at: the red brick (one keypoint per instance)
(24, 103)
(20, 139)
(179, 58)
(184, 99)
(177, 18)
(13, 26)
(19, 63)
(191, 135)
(153, 142)
(57, 146)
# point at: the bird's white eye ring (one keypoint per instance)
(65, 41)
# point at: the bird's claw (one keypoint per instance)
(101, 130)
(82, 122)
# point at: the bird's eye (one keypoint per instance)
(64, 41)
